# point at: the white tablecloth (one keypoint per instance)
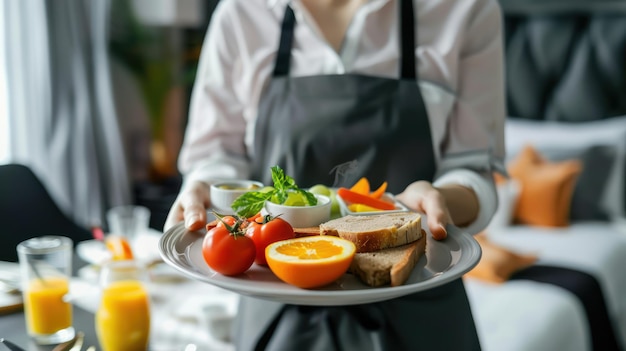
(185, 314)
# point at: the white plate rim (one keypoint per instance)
(177, 246)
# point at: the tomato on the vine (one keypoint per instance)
(266, 230)
(226, 220)
(228, 252)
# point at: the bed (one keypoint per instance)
(566, 99)
(530, 315)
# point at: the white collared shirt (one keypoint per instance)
(459, 62)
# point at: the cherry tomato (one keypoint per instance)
(228, 253)
(221, 222)
(230, 223)
(267, 230)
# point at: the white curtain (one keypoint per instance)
(60, 105)
(4, 123)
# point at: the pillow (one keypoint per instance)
(593, 183)
(546, 188)
(600, 191)
(497, 263)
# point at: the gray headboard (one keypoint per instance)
(565, 59)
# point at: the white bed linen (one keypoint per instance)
(597, 248)
(527, 316)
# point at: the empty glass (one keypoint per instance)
(128, 221)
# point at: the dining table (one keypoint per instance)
(185, 314)
(13, 323)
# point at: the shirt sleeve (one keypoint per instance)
(483, 186)
(214, 146)
(474, 145)
(477, 119)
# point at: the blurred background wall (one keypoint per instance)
(94, 95)
(155, 46)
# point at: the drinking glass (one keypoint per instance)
(45, 267)
(123, 317)
(128, 221)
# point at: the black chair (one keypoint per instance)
(27, 210)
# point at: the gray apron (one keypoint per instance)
(380, 129)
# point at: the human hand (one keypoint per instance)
(190, 205)
(422, 196)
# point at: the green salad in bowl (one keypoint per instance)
(287, 199)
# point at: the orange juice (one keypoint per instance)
(123, 319)
(45, 310)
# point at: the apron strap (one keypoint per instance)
(407, 41)
(283, 56)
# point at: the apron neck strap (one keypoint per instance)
(407, 41)
(283, 56)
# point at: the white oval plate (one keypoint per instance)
(444, 261)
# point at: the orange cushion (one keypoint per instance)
(546, 188)
(499, 178)
(497, 263)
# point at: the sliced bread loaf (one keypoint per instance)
(376, 232)
(389, 266)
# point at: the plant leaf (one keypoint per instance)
(310, 198)
(280, 197)
(251, 203)
(282, 182)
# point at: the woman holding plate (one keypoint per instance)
(408, 92)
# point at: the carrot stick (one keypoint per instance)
(362, 186)
(357, 198)
(378, 193)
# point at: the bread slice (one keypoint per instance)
(306, 231)
(390, 266)
(376, 232)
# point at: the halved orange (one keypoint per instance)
(310, 262)
(119, 247)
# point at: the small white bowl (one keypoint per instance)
(223, 193)
(345, 210)
(302, 216)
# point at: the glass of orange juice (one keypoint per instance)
(123, 317)
(45, 267)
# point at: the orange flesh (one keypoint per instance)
(311, 250)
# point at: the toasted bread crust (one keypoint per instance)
(306, 231)
(401, 271)
(383, 237)
(390, 266)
